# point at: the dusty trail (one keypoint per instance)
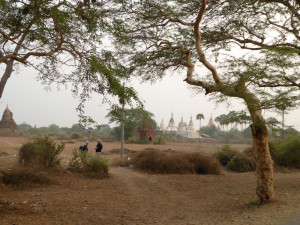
(151, 201)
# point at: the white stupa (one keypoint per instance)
(191, 132)
(171, 126)
(162, 126)
(181, 130)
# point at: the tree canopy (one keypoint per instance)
(63, 41)
(199, 39)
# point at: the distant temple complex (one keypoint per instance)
(187, 131)
(7, 121)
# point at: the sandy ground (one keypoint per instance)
(132, 197)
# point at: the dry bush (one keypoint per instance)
(24, 177)
(204, 164)
(175, 162)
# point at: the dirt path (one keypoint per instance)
(131, 197)
(151, 201)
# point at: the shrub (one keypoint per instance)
(97, 164)
(287, 153)
(79, 161)
(87, 164)
(75, 135)
(235, 161)
(204, 164)
(159, 140)
(19, 177)
(240, 164)
(41, 152)
(143, 141)
(225, 154)
(174, 162)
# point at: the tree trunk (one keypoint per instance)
(8, 71)
(264, 162)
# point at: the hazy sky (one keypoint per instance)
(31, 103)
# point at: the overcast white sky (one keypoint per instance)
(31, 103)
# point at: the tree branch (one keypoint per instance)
(200, 52)
(27, 55)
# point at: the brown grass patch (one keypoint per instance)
(156, 161)
(24, 177)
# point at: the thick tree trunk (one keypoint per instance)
(264, 162)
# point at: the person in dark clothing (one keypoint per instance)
(85, 147)
(99, 147)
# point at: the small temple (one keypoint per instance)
(211, 122)
(145, 132)
(7, 121)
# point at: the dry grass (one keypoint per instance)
(132, 197)
(24, 177)
(173, 162)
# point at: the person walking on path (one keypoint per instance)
(99, 147)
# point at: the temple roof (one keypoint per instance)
(182, 125)
(211, 122)
(162, 125)
(191, 127)
(172, 125)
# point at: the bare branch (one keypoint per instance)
(199, 47)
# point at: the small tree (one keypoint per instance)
(199, 117)
(284, 103)
(133, 119)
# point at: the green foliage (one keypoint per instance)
(225, 155)
(83, 162)
(79, 161)
(159, 139)
(75, 135)
(286, 153)
(240, 164)
(77, 128)
(19, 177)
(156, 161)
(24, 127)
(97, 164)
(235, 161)
(49, 32)
(212, 131)
(143, 142)
(133, 119)
(41, 152)
(233, 117)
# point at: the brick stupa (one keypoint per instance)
(7, 121)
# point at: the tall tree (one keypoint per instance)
(62, 40)
(199, 117)
(187, 35)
